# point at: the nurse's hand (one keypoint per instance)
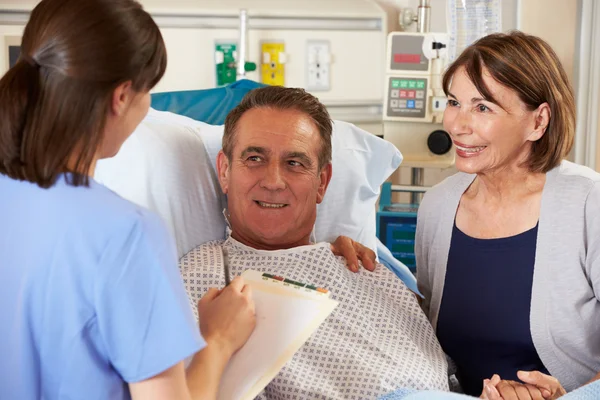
(227, 317)
(353, 251)
(549, 386)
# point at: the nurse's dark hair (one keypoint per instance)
(55, 100)
(529, 66)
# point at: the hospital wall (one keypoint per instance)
(598, 147)
(353, 30)
(356, 81)
(356, 52)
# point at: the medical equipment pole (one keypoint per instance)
(423, 25)
(416, 180)
(424, 17)
(243, 45)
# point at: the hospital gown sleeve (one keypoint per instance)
(143, 314)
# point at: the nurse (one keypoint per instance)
(91, 302)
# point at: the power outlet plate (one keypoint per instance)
(273, 63)
(318, 63)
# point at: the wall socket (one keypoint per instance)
(318, 61)
(273, 60)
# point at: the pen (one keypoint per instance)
(226, 266)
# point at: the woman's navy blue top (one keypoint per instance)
(483, 324)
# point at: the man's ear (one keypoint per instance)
(223, 171)
(325, 178)
(120, 98)
(542, 118)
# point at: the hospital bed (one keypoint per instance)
(168, 166)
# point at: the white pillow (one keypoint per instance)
(169, 166)
(361, 164)
(164, 167)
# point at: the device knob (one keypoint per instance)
(439, 142)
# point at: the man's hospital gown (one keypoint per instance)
(377, 340)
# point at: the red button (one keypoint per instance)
(411, 94)
(403, 93)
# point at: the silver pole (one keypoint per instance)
(417, 180)
(423, 26)
(424, 17)
(243, 45)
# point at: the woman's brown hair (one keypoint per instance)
(54, 101)
(529, 66)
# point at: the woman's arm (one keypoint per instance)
(169, 384)
(227, 318)
(353, 252)
(199, 381)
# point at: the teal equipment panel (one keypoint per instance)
(396, 227)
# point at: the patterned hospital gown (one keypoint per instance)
(376, 341)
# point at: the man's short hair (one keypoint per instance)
(282, 98)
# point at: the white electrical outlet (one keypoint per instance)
(318, 61)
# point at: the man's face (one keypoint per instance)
(273, 182)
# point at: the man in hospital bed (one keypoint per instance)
(274, 168)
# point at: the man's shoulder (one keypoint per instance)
(384, 274)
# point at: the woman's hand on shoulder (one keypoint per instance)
(353, 252)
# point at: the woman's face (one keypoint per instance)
(488, 137)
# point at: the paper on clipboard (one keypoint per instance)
(285, 318)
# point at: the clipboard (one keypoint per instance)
(287, 314)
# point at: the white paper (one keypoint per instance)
(279, 320)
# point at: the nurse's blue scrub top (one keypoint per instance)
(90, 294)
